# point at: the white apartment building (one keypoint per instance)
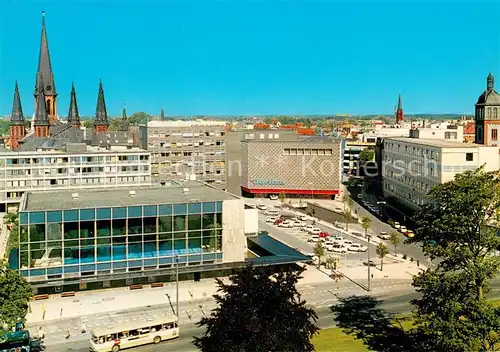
(440, 131)
(188, 150)
(57, 170)
(411, 167)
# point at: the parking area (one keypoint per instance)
(299, 238)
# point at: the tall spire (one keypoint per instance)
(490, 82)
(162, 115)
(73, 115)
(124, 113)
(44, 72)
(399, 111)
(17, 116)
(101, 114)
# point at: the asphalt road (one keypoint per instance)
(397, 303)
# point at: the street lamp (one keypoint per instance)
(177, 284)
(369, 264)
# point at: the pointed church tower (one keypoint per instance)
(399, 111)
(17, 123)
(44, 74)
(101, 115)
(124, 124)
(73, 115)
(162, 115)
(41, 121)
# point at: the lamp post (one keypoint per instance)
(177, 285)
(369, 264)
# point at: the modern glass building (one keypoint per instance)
(93, 236)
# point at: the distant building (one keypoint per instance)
(188, 150)
(399, 112)
(487, 116)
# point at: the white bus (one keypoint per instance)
(132, 334)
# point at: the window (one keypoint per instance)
(469, 157)
(494, 134)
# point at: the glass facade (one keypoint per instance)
(88, 241)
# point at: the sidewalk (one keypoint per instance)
(109, 300)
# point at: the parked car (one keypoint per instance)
(262, 206)
(313, 238)
(403, 229)
(273, 197)
(337, 238)
(338, 248)
(315, 231)
(370, 263)
(347, 243)
(277, 222)
(303, 218)
(384, 236)
(355, 247)
(270, 220)
(409, 233)
(286, 224)
(323, 234)
(308, 228)
(396, 225)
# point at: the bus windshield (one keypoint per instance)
(15, 341)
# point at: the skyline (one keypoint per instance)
(237, 79)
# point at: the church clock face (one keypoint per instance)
(48, 88)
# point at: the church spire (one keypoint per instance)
(162, 114)
(41, 120)
(399, 111)
(17, 117)
(44, 72)
(101, 115)
(124, 113)
(73, 115)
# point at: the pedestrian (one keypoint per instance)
(418, 264)
(68, 334)
(41, 333)
(84, 328)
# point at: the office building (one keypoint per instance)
(78, 168)
(188, 150)
(411, 167)
(307, 167)
(93, 237)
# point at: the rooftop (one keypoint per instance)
(186, 123)
(301, 140)
(440, 143)
(61, 153)
(119, 197)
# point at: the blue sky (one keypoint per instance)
(254, 57)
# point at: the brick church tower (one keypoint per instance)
(17, 122)
(101, 114)
(487, 115)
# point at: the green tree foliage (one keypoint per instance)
(382, 251)
(459, 225)
(214, 244)
(319, 251)
(88, 124)
(139, 118)
(347, 217)
(395, 241)
(366, 222)
(366, 155)
(11, 220)
(259, 311)
(4, 126)
(15, 294)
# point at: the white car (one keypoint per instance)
(303, 218)
(262, 206)
(315, 231)
(273, 197)
(308, 228)
(403, 229)
(338, 248)
(384, 236)
(357, 248)
(313, 238)
(347, 243)
(397, 225)
(270, 220)
(337, 238)
(286, 224)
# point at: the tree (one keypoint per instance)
(395, 241)
(382, 251)
(139, 118)
(366, 155)
(366, 222)
(258, 311)
(11, 220)
(348, 217)
(319, 251)
(459, 224)
(15, 294)
(88, 124)
(214, 244)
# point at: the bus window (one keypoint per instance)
(123, 335)
(175, 325)
(156, 328)
(144, 331)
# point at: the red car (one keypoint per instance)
(324, 235)
(278, 221)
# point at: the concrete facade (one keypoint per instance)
(49, 171)
(188, 150)
(307, 167)
(440, 131)
(412, 167)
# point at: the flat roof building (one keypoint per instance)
(411, 167)
(307, 167)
